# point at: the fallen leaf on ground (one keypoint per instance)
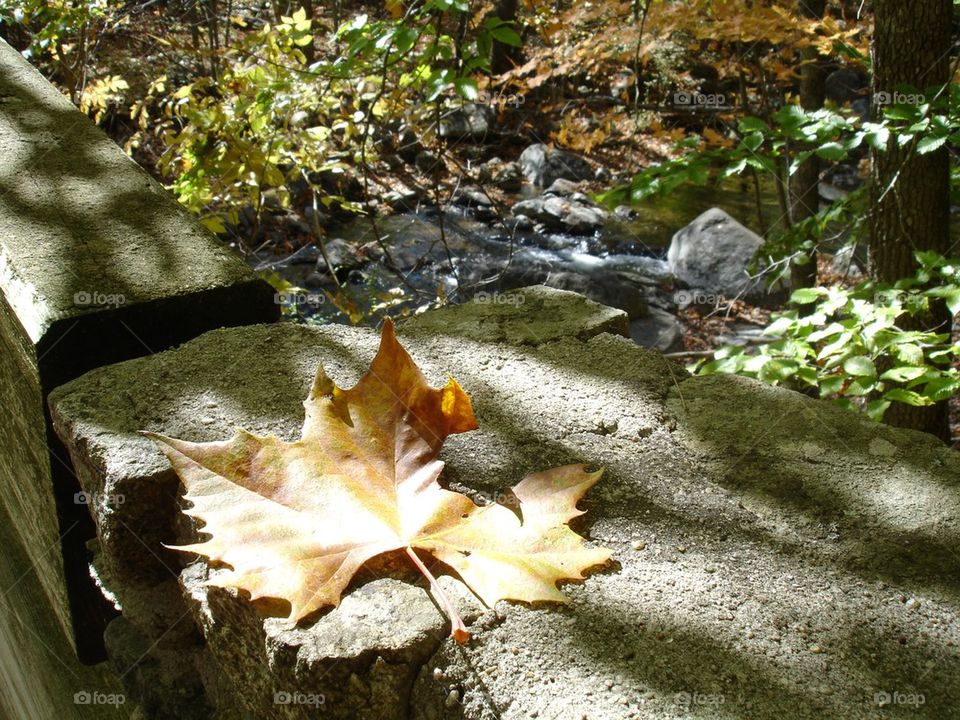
(296, 520)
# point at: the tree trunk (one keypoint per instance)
(310, 50)
(912, 44)
(503, 56)
(805, 182)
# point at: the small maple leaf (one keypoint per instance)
(296, 520)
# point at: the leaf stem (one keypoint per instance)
(458, 631)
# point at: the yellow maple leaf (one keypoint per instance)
(296, 520)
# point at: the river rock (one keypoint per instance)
(408, 146)
(542, 165)
(563, 214)
(712, 254)
(845, 85)
(563, 187)
(470, 122)
(428, 163)
(606, 290)
(504, 175)
(659, 329)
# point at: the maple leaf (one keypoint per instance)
(296, 520)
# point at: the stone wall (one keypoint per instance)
(98, 263)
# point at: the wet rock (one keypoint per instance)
(608, 290)
(408, 146)
(504, 175)
(428, 163)
(402, 199)
(471, 197)
(659, 329)
(542, 165)
(562, 187)
(342, 256)
(563, 214)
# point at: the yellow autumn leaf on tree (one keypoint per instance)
(297, 520)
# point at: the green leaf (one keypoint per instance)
(942, 388)
(907, 396)
(832, 151)
(876, 408)
(930, 143)
(903, 374)
(824, 333)
(950, 294)
(836, 346)
(506, 35)
(778, 370)
(805, 296)
(404, 39)
(860, 366)
(752, 141)
(467, 87)
(909, 353)
(831, 384)
(779, 326)
(753, 125)
(214, 224)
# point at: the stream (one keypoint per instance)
(462, 252)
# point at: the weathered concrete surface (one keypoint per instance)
(82, 225)
(98, 263)
(775, 557)
(529, 316)
(40, 676)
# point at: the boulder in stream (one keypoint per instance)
(542, 165)
(712, 254)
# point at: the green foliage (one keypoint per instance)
(264, 123)
(62, 34)
(54, 23)
(270, 120)
(847, 345)
(926, 120)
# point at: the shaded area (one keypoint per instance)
(98, 263)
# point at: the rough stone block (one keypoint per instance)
(530, 315)
(775, 557)
(98, 263)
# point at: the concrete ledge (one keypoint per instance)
(771, 562)
(528, 316)
(98, 263)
